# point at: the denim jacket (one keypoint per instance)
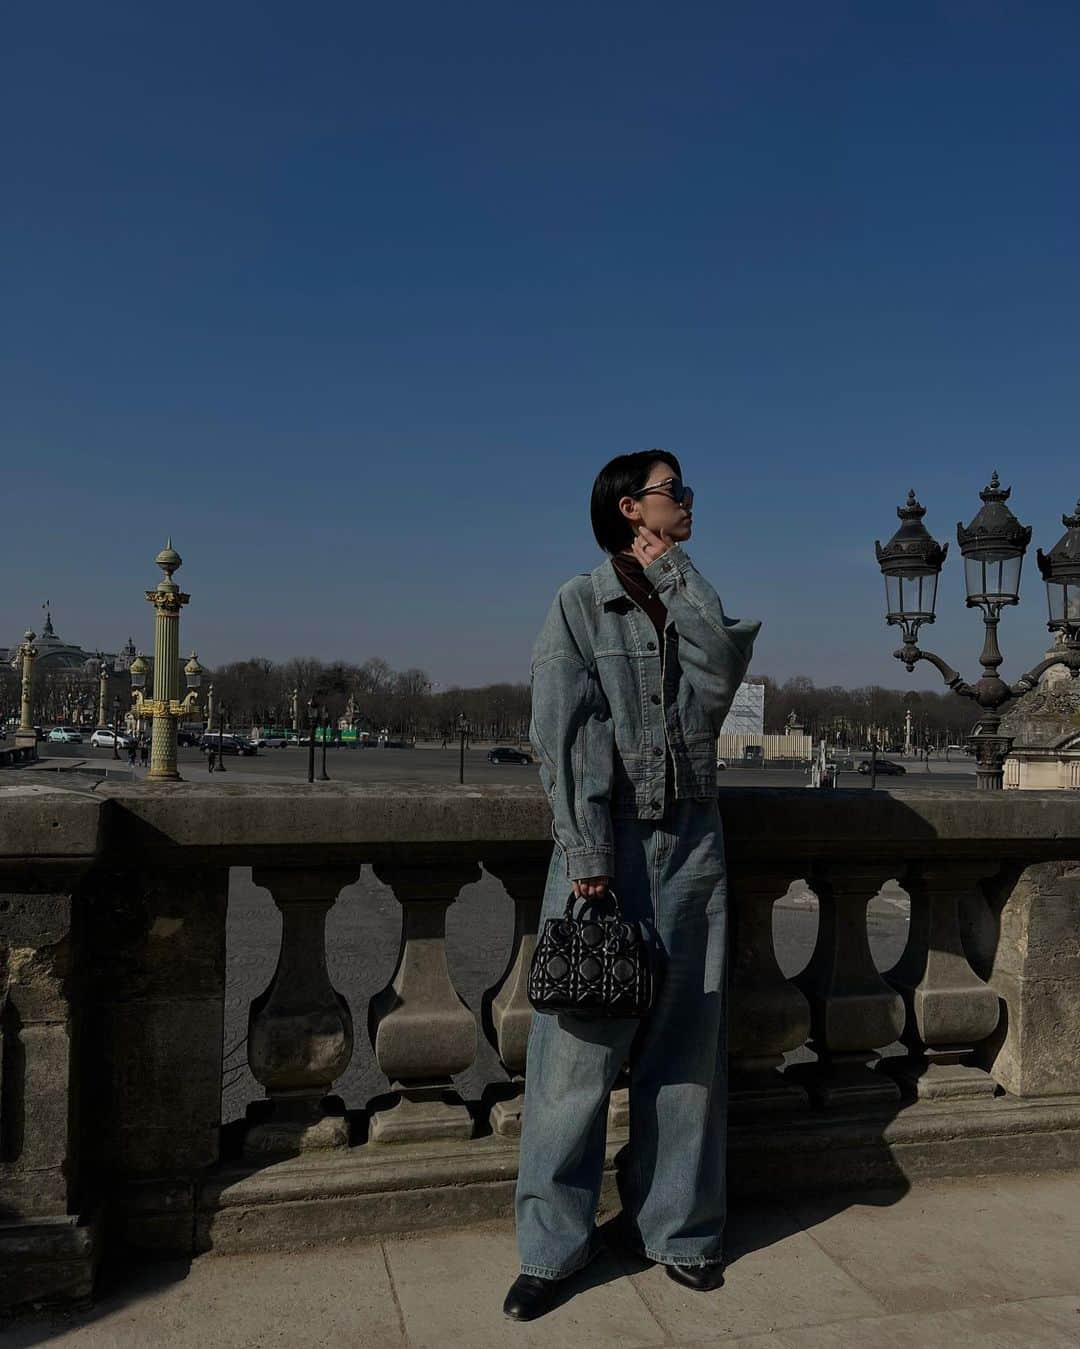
(605, 707)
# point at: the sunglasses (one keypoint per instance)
(674, 488)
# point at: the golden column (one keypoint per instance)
(296, 710)
(28, 651)
(165, 707)
(103, 692)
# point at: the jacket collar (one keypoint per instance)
(606, 584)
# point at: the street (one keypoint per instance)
(430, 765)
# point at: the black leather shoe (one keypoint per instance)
(530, 1297)
(702, 1278)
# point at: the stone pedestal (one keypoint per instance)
(156, 957)
(47, 1245)
(1035, 968)
(422, 1031)
(300, 1031)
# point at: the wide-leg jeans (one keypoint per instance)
(671, 874)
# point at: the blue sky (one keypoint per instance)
(354, 301)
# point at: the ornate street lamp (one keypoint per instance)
(166, 708)
(993, 548)
(1060, 569)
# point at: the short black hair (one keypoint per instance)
(623, 476)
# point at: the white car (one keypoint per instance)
(65, 735)
(103, 739)
(721, 764)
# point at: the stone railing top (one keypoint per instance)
(243, 824)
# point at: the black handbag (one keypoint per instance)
(592, 967)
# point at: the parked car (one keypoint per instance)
(273, 741)
(228, 743)
(188, 737)
(504, 754)
(66, 735)
(103, 738)
(884, 766)
(721, 765)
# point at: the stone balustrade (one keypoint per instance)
(964, 1055)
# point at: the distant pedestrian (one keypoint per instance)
(210, 756)
(144, 750)
(131, 747)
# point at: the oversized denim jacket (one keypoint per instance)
(605, 707)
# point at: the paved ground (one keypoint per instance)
(982, 1265)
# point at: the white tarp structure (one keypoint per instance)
(747, 715)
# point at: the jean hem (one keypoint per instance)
(701, 1262)
(546, 1272)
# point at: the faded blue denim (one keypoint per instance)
(605, 710)
(669, 873)
(605, 707)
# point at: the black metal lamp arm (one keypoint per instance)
(1070, 658)
(910, 654)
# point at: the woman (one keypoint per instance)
(632, 675)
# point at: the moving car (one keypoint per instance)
(103, 739)
(228, 744)
(66, 735)
(721, 765)
(504, 754)
(754, 754)
(884, 766)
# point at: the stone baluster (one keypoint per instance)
(853, 1011)
(421, 1029)
(300, 1030)
(507, 1013)
(769, 1014)
(949, 1008)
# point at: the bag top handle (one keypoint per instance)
(588, 899)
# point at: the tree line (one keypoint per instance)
(406, 703)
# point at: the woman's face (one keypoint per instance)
(655, 509)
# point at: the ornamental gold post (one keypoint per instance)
(165, 707)
(103, 691)
(28, 651)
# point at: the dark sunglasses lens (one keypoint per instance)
(680, 493)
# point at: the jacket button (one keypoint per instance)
(650, 646)
(655, 698)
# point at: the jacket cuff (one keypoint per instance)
(663, 573)
(580, 865)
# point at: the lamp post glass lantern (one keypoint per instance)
(993, 547)
(1060, 569)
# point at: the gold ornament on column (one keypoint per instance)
(166, 707)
